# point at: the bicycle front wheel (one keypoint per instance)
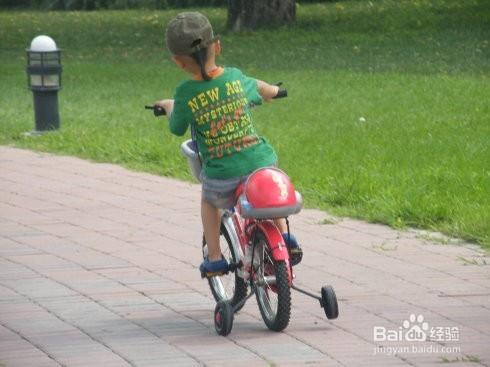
(272, 287)
(228, 287)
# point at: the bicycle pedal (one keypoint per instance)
(211, 274)
(296, 256)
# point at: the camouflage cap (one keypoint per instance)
(188, 32)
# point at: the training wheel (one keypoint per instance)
(329, 302)
(223, 318)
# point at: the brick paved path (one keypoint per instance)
(98, 268)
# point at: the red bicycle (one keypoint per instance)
(255, 248)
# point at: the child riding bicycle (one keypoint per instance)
(215, 103)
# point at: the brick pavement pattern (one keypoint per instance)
(98, 267)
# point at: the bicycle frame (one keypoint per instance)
(243, 230)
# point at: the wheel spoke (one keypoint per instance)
(266, 269)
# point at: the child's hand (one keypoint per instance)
(266, 90)
(167, 105)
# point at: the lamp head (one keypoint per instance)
(44, 64)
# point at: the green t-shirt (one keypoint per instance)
(219, 112)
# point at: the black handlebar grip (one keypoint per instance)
(281, 94)
(157, 110)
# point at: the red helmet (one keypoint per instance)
(270, 188)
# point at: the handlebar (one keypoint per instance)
(282, 93)
(157, 110)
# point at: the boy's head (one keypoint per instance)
(188, 37)
(189, 32)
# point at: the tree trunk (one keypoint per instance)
(253, 14)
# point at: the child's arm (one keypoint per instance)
(266, 90)
(167, 105)
(177, 124)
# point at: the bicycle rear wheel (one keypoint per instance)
(272, 287)
(228, 287)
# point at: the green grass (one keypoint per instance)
(417, 71)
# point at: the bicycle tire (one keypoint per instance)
(223, 318)
(329, 302)
(275, 318)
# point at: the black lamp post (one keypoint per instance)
(44, 79)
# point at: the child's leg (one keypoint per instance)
(281, 224)
(291, 242)
(211, 223)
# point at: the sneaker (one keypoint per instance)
(294, 248)
(213, 268)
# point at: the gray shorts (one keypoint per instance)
(220, 193)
